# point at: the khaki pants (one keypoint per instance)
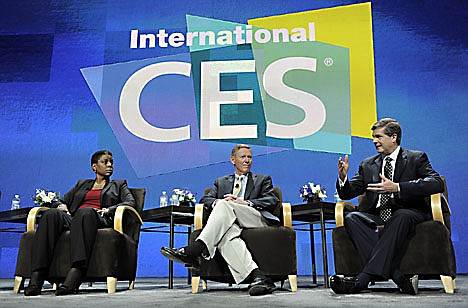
(222, 233)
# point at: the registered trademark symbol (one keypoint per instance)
(328, 61)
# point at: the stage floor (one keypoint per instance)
(153, 292)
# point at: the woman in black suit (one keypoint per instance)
(87, 207)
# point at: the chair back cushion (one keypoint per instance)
(139, 196)
(278, 210)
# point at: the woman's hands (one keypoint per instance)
(103, 211)
(63, 207)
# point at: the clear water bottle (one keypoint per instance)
(336, 196)
(15, 202)
(174, 199)
(163, 199)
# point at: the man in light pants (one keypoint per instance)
(240, 200)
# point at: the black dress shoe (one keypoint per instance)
(261, 286)
(346, 285)
(64, 290)
(409, 285)
(32, 290)
(179, 255)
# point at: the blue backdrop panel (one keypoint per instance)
(51, 120)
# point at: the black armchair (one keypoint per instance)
(273, 248)
(421, 257)
(114, 255)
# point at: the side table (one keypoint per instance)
(15, 216)
(172, 215)
(321, 212)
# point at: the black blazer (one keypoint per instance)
(413, 172)
(113, 194)
(259, 191)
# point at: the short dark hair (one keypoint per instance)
(390, 126)
(238, 147)
(95, 157)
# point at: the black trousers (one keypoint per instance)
(381, 251)
(83, 228)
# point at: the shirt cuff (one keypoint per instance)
(341, 183)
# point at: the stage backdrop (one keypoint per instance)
(171, 87)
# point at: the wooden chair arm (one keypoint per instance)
(118, 217)
(32, 216)
(198, 217)
(436, 207)
(339, 212)
(287, 214)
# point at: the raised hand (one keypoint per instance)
(343, 167)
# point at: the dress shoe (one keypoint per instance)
(64, 290)
(261, 286)
(32, 290)
(180, 256)
(409, 285)
(346, 285)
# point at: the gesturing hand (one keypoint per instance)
(384, 187)
(343, 167)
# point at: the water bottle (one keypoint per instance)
(163, 199)
(174, 199)
(15, 202)
(336, 196)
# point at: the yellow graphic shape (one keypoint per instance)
(347, 26)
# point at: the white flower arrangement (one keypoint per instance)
(44, 197)
(185, 196)
(312, 192)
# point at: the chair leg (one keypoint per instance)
(449, 284)
(111, 285)
(19, 281)
(293, 282)
(131, 285)
(195, 283)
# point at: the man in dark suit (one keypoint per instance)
(240, 200)
(395, 183)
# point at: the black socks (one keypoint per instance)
(364, 280)
(257, 273)
(73, 279)
(37, 278)
(195, 249)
